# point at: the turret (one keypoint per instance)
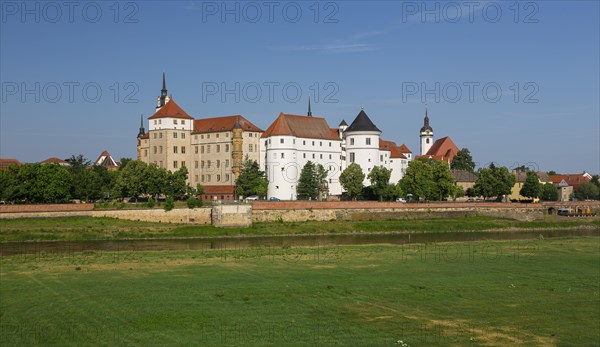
(362, 143)
(426, 135)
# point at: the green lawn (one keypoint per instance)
(87, 228)
(537, 292)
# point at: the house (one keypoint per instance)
(106, 160)
(5, 163)
(442, 149)
(55, 160)
(568, 183)
(520, 177)
(464, 179)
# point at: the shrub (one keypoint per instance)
(191, 202)
(169, 204)
(150, 203)
(199, 203)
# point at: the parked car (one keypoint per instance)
(274, 199)
(252, 198)
(401, 200)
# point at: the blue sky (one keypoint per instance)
(390, 57)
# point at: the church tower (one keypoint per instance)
(426, 135)
(163, 98)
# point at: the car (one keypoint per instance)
(252, 198)
(274, 199)
(401, 200)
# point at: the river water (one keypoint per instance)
(283, 241)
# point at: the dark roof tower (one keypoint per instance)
(163, 92)
(142, 130)
(362, 122)
(426, 125)
(309, 111)
(343, 123)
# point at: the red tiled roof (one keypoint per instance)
(301, 126)
(226, 123)
(6, 162)
(395, 151)
(105, 159)
(404, 149)
(442, 149)
(171, 110)
(571, 179)
(54, 160)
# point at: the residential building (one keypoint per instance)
(520, 177)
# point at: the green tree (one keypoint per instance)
(52, 183)
(251, 180)
(352, 179)
(551, 172)
(380, 181)
(493, 182)
(444, 184)
(156, 181)
(586, 191)
(199, 189)
(463, 161)
(131, 181)
(308, 183)
(548, 192)
(418, 179)
(532, 186)
(177, 183)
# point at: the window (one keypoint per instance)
(183, 135)
(227, 148)
(155, 122)
(313, 143)
(175, 149)
(160, 135)
(313, 156)
(145, 153)
(182, 149)
(282, 155)
(269, 141)
(266, 143)
(218, 163)
(352, 157)
(160, 149)
(208, 137)
(380, 157)
(226, 177)
(427, 140)
(195, 137)
(321, 156)
(202, 178)
(154, 149)
(175, 164)
(154, 135)
(226, 162)
(208, 178)
(250, 147)
(182, 163)
(226, 134)
(304, 155)
(218, 178)
(368, 140)
(321, 143)
(351, 141)
(174, 135)
(174, 121)
(218, 148)
(304, 142)
(330, 156)
(202, 164)
(196, 149)
(280, 140)
(202, 138)
(217, 135)
(183, 121)
(207, 148)
(202, 149)
(329, 143)
(208, 164)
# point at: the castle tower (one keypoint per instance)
(426, 135)
(237, 152)
(362, 143)
(163, 98)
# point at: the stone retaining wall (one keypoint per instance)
(178, 215)
(45, 208)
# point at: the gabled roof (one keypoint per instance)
(225, 123)
(395, 151)
(571, 179)
(6, 162)
(343, 123)
(106, 160)
(171, 110)
(464, 176)
(404, 149)
(521, 176)
(55, 160)
(442, 149)
(362, 122)
(301, 126)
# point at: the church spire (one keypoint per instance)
(163, 93)
(309, 111)
(142, 130)
(426, 125)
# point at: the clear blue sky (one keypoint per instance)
(377, 54)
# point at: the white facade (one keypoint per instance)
(286, 155)
(426, 141)
(362, 148)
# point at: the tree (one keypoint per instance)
(52, 183)
(308, 183)
(177, 183)
(531, 187)
(551, 172)
(131, 181)
(352, 179)
(418, 179)
(251, 180)
(156, 181)
(548, 192)
(444, 183)
(199, 189)
(380, 181)
(586, 191)
(493, 182)
(463, 161)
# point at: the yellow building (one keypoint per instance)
(520, 178)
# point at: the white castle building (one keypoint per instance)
(292, 140)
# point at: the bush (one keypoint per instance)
(169, 204)
(191, 202)
(150, 203)
(199, 203)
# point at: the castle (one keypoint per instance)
(213, 149)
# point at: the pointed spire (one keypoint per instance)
(163, 93)
(426, 125)
(309, 111)
(142, 130)
(164, 82)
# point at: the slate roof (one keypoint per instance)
(362, 122)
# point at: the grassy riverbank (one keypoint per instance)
(535, 292)
(87, 228)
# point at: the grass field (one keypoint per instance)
(88, 228)
(539, 292)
